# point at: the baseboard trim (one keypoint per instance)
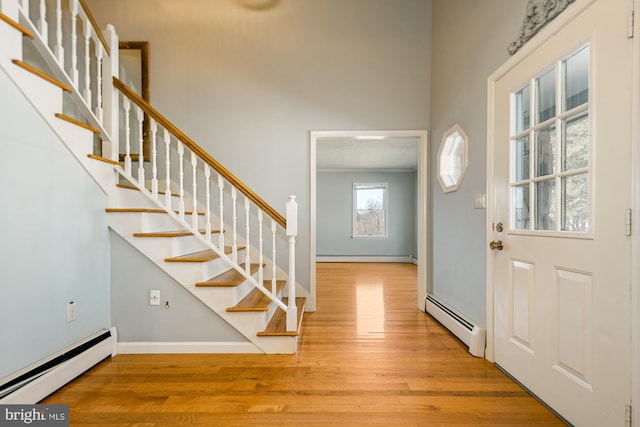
(187, 347)
(365, 258)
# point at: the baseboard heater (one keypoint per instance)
(470, 334)
(37, 381)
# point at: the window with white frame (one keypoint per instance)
(370, 209)
(550, 149)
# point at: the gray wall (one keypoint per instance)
(54, 240)
(334, 196)
(249, 85)
(187, 319)
(470, 39)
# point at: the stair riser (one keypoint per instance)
(249, 319)
(170, 247)
(46, 97)
(126, 198)
(151, 222)
(213, 268)
(241, 291)
(12, 41)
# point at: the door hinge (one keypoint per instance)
(628, 416)
(627, 221)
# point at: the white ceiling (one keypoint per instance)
(400, 153)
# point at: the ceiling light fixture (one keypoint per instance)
(369, 137)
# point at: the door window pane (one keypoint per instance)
(575, 203)
(550, 153)
(545, 205)
(523, 103)
(522, 158)
(546, 149)
(576, 79)
(575, 142)
(546, 95)
(521, 207)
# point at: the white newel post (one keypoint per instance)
(110, 65)
(292, 232)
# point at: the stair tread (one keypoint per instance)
(17, 26)
(256, 300)
(143, 210)
(179, 233)
(77, 123)
(41, 74)
(229, 278)
(277, 327)
(200, 256)
(104, 159)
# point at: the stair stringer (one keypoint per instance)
(47, 100)
(218, 299)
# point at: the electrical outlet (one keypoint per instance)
(71, 311)
(154, 297)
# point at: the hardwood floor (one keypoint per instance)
(367, 356)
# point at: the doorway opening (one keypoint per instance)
(352, 154)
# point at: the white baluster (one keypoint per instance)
(167, 191)
(127, 136)
(273, 257)
(221, 197)
(153, 129)
(99, 55)
(73, 6)
(194, 168)
(260, 242)
(110, 97)
(58, 49)
(207, 228)
(140, 120)
(25, 7)
(181, 176)
(234, 247)
(247, 244)
(43, 28)
(86, 26)
(292, 232)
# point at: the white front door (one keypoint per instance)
(562, 186)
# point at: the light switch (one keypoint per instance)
(480, 201)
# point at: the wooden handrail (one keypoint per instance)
(95, 27)
(195, 148)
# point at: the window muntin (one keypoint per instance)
(555, 147)
(370, 210)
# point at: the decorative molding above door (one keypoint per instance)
(539, 13)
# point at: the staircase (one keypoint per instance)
(180, 208)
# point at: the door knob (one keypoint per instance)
(496, 245)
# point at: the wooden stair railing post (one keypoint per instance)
(110, 95)
(292, 232)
